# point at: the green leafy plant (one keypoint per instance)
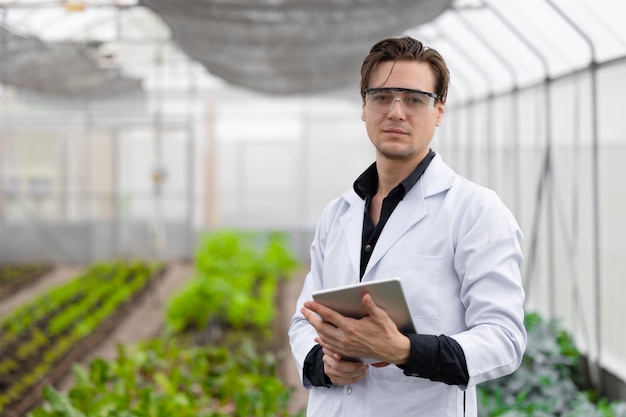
(162, 378)
(545, 384)
(236, 281)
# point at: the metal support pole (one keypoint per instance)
(304, 156)
(546, 170)
(549, 178)
(157, 228)
(115, 195)
(593, 65)
(191, 186)
(88, 192)
(3, 69)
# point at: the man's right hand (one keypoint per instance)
(342, 372)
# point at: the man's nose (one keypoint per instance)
(396, 111)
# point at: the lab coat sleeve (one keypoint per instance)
(301, 334)
(488, 261)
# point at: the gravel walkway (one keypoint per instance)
(145, 321)
(288, 371)
(59, 275)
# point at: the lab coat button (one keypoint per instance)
(348, 389)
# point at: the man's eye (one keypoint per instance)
(382, 98)
(415, 100)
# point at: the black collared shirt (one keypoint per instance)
(438, 358)
(365, 186)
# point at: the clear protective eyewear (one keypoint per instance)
(414, 102)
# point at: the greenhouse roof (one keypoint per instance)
(285, 47)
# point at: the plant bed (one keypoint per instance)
(163, 378)
(218, 356)
(45, 337)
(15, 277)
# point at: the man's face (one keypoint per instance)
(396, 135)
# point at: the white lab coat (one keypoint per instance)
(456, 248)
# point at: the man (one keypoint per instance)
(454, 245)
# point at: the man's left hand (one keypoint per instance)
(373, 336)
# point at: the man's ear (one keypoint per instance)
(440, 112)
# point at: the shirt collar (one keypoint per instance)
(366, 184)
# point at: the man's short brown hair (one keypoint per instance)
(406, 49)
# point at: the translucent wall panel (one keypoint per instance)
(547, 179)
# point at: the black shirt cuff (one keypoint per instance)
(313, 371)
(438, 358)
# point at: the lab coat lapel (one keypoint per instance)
(352, 223)
(409, 212)
(437, 178)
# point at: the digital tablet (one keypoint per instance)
(387, 294)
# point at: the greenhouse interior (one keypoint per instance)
(153, 152)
